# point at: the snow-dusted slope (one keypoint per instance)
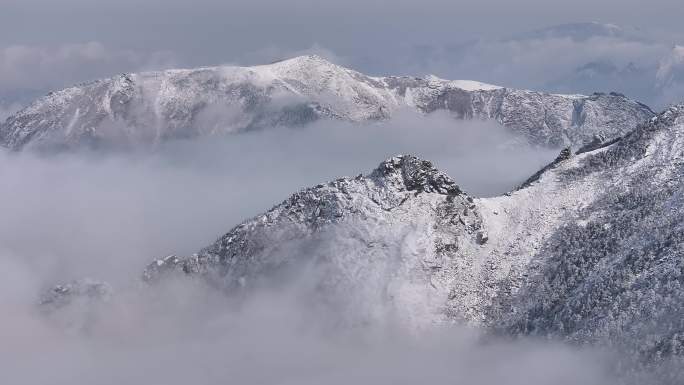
(393, 239)
(590, 249)
(609, 263)
(147, 108)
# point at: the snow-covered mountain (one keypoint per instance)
(148, 108)
(608, 253)
(588, 249)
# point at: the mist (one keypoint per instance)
(86, 213)
(184, 333)
(106, 215)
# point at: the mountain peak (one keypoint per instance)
(310, 58)
(304, 61)
(302, 58)
(415, 174)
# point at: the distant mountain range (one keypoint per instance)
(143, 110)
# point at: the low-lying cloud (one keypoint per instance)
(105, 216)
(184, 333)
(92, 213)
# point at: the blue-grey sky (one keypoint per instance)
(206, 26)
(46, 44)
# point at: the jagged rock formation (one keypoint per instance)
(148, 108)
(394, 238)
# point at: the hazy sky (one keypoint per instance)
(221, 30)
(373, 36)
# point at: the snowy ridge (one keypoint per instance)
(591, 251)
(148, 108)
(582, 252)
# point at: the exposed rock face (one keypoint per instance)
(148, 108)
